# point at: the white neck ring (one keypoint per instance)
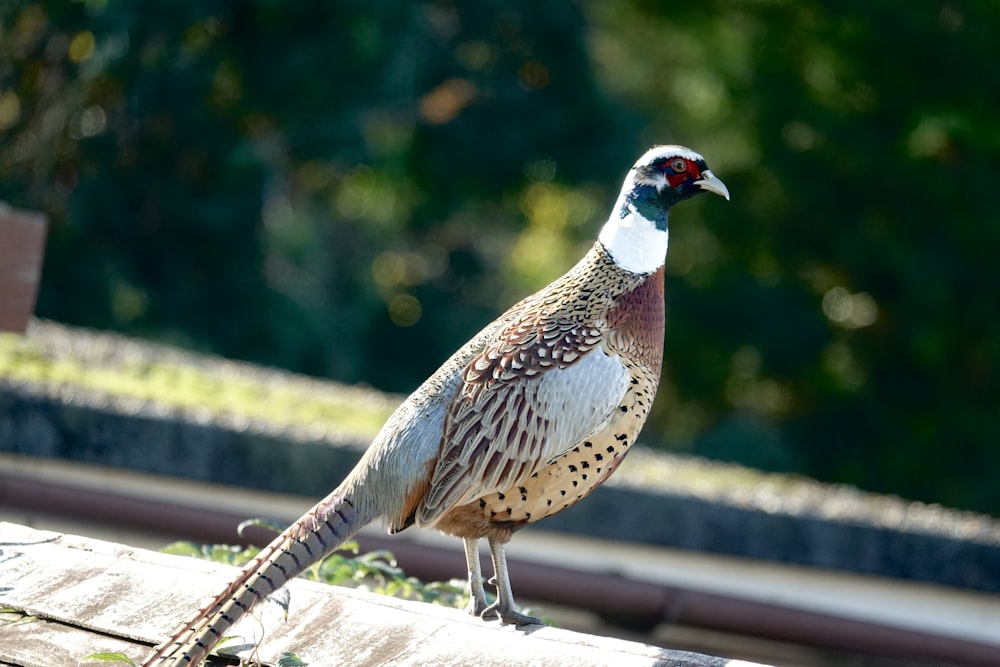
(635, 243)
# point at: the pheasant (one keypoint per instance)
(522, 422)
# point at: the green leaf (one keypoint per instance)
(289, 659)
(379, 555)
(20, 617)
(109, 657)
(351, 546)
(182, 549)
(281, 597)
(274, 526)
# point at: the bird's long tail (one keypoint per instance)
(328, 524)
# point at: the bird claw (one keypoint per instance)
(476, 606)
(508, 616)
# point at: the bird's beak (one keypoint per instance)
(709, 182)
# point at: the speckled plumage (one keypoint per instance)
(508, 457)
(522, 422)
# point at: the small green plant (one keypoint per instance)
(289, 659)
(15, 616)
(117, 658)
(375, 571)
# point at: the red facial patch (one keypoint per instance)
(678, 169)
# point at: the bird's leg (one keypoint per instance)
(477, 597)
(503, 608)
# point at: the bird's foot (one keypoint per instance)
(477, 605)
(508, 616)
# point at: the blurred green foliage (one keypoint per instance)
(352, 189)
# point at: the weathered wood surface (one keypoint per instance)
(65, 597)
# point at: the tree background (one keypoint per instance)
(352, 189)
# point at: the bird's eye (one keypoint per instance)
(679, 165)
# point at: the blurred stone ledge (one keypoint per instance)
(105, 399)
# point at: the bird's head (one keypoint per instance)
(636, 232)
(664, 176)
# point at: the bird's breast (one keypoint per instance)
(636, 322)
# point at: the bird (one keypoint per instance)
(522, 422)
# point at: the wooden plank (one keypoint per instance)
(90, 596)
(36, 642)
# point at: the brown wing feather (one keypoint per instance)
(494, 435)
(528, 346)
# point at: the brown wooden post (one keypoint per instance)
(22, 246)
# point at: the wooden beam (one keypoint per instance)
(67, 597)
